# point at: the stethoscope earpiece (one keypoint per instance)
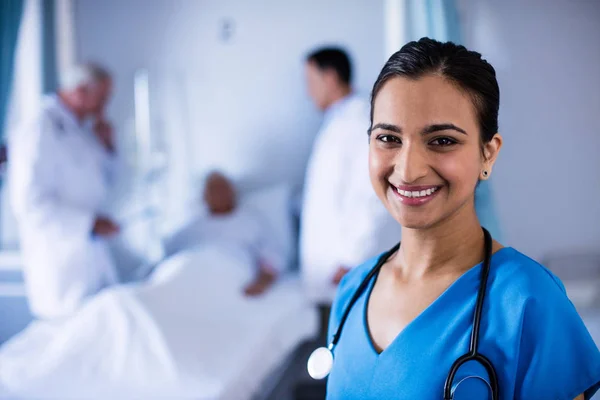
(320, 363)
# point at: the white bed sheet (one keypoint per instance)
(190, 334)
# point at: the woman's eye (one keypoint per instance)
(443, 142)
(388, 139)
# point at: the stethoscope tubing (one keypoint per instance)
(473, 354)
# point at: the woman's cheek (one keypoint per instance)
(458, 171)
(379, 168)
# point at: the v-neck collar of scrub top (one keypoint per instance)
(465, 284)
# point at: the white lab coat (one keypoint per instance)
(343, 222)
(58, 181)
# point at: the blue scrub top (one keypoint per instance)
(530, 331)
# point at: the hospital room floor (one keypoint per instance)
(296, 384)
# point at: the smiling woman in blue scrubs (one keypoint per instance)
(433, 137)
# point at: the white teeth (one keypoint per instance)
(421, 193)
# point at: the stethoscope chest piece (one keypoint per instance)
(320, 363)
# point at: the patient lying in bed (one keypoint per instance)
(225, 219)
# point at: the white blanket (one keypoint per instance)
(188, 334)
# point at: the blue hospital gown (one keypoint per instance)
(530, 331)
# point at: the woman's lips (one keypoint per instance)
(415, 195)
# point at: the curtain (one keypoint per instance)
(10, 20)
(439, 19)
(25, 97)
(48, 41)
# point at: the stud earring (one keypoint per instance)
(485, 174)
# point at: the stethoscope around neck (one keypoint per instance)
(320, 361)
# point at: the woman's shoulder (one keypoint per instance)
(524, 291)
(556, 356)
(352, 280)
(524, 277)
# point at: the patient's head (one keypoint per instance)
(219, 194)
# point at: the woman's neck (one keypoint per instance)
(450, 247)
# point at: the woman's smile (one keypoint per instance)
(413, 195)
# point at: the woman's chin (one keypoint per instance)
(416, 225)
(416, 221)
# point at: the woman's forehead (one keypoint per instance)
(429, 99)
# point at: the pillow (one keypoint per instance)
(274, 204)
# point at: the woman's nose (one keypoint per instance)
(411, 163)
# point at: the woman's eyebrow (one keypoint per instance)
(429, 129)
(386, 127)
(442, 127)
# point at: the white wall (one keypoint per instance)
(245, 108)
(546, 53)
(248, 111)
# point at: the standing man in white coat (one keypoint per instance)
(343, 222)
(58, 175)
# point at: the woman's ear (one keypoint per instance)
(490, 153)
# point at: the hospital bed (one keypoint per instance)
(188, 333)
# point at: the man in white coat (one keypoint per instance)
(343, 222)
(59, 176)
